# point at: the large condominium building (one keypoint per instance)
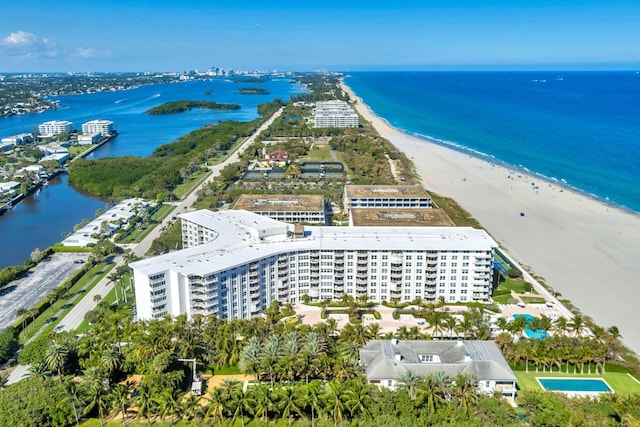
(236, 263)
(336, 114)
(291, 208)
(385, 196)
(54, 127)
(103, 127)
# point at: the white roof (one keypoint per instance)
(237, 241)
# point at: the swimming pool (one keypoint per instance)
(575, 385)
(536, 334)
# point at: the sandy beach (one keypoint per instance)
(584, 249)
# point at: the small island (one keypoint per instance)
(253, 91)
(248, 80)
(181, 106)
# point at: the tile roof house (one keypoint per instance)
(385, 360)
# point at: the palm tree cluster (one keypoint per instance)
(562, 353)
(438, 389)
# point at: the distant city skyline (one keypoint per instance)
(105, 36)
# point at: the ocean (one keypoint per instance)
(581, 129)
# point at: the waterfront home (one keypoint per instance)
(385, 360)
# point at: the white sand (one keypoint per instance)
(584, 249)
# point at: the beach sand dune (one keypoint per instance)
(584, 249)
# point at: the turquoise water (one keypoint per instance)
(581, 129)
(536, 334)
(575, 384)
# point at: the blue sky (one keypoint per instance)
(72, 35)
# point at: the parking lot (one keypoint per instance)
(42, 279)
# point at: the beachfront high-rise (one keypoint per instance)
(54, 127)
(337, 114)
(103, 127)
(236, 263)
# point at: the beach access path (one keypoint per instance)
(583, 248)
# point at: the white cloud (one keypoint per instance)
(22, 44)
(82, 52)
(27, 45)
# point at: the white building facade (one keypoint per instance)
(103, 127)
(336, 114)
(236, 263)
(385, 196)
(54, 127)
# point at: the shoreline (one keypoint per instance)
(583, 247)
(522, 170)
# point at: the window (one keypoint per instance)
(426, 358)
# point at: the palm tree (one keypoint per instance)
(251, 357)
(22, 313)
(312, 398)
(314, 346)
(450, 323)
(144, 402)
(110, 359)
(169, 404)
(465, 388)
(121, 394)
(215, 401)
(260, 402)
(409, 381)
(98, 395)
(561, 326)
(238, 401)
(334, 401)
(402, 333)
(39, 370)
(577, 325)
(272, 352)
(73, 392)
(192, 407)
(373, 331)
(436, 320)
(288, 403)
(350, 352)
(358, 398)
(431, 391)
(56, 356)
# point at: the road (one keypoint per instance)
(76, 315)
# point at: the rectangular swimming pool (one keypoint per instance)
(575, 385)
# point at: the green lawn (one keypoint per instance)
(319, 153)
(533, 300)
(191, 182)
(505, 299)
(516, 285)
(620, 382)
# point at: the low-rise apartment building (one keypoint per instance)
(54, 127)
(385, 196)
(103, 127)
(291, 208)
